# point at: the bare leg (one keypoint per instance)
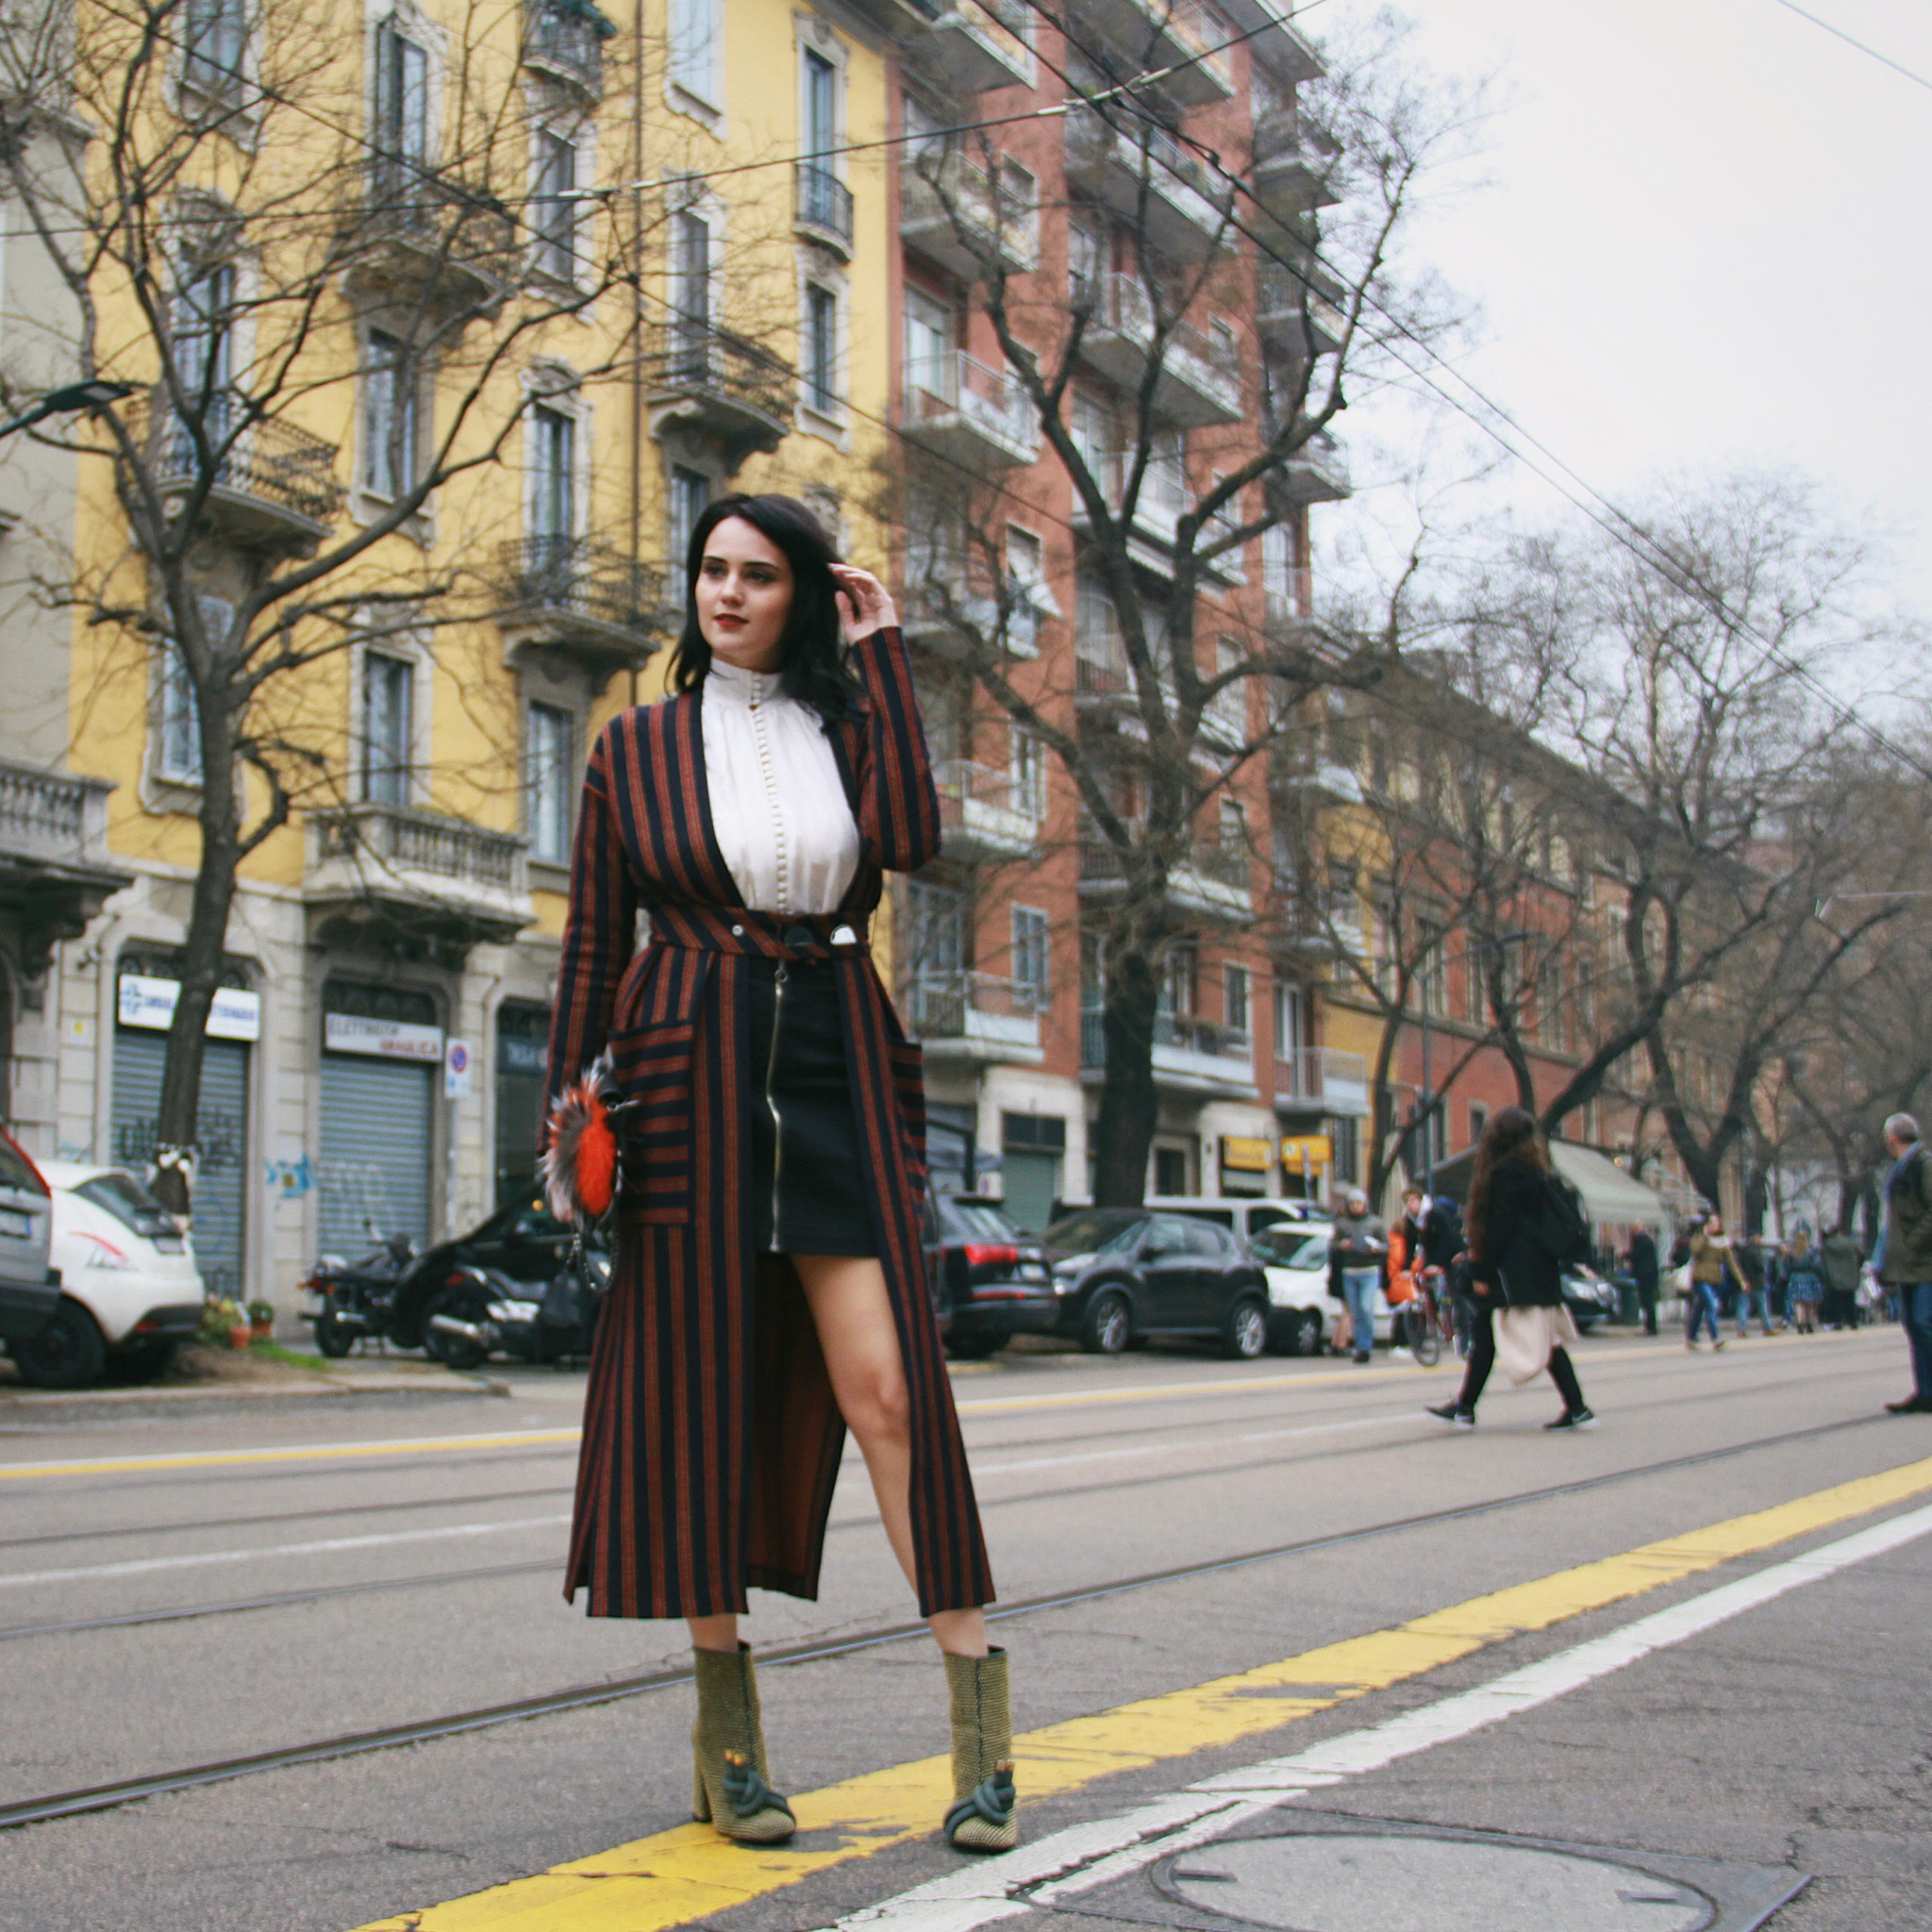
(853, 1314)
(714, 1633)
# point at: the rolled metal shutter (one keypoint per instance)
(376, 1123)
(221, 1132)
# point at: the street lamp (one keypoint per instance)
(95, 393)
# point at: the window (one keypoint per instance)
(1086, 263)
(1091, 429)
(551, 732)
(684, 503)
(389, 727)
(1031, 956)
(1029, 760)
(554, 215)
(552, 478)
(1347, 1133)
(1287, 1019)
(1097, 629)
(694, 48)
(1178, 978)
(178, 737)
(1478, 1120)
(401, 106)
(930, 375)
(1234, 993)
(821, 105)
(822, 348)
(1171, 1171)
(1275, 581)
(214, 35)
(389, 417)
(204, 343)
(690, 296)
(1026, 589)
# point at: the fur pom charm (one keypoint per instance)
(580, 1162)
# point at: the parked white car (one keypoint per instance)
(1302, 1314)
(129, 1286)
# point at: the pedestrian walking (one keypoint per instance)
(1359, 1243)
(1804, 1283)
(1905, 1251)
(1643, 1263)
(1842, 1263)
(1753, 1285)
(1712, 1264)
(1522, 1225)
(768, 1291)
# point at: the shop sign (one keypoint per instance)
(1307, 1150)
(1244, 1154)
(383, 1040)
(150, 1004)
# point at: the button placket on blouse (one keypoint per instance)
(760, 737)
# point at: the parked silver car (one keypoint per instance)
(29, 1289)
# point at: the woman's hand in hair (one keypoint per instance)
(864, 604)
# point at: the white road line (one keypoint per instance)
(139, 1566)
(1373, 1422)
(1086, 1855)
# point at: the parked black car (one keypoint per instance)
(1589, 1298)
(990, 1278)
(1122, 1274)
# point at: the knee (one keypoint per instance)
(878, 1410)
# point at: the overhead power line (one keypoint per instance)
(1837, 33)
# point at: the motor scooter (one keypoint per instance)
(348, 1300)
(480, 1311)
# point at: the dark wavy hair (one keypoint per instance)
(811, 664)
(1511, 1135)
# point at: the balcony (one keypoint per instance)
(54, 874)
(985, 815)
(977, 1016)
(397, 871)
(1317, 935)
(976, 47)
(587, 597)
(952, 214)
(565, 41)
(822, 205)
(1309, 1079)
(1168, 33)
(1326, 781)
(1198, 382)
(1190, 1056)
(1212, 885)
(1185, 217)
(1316, 473)
(263, 483)
(424, 238)
(1274, 39)
(1103, 678)
(1296, 315)
(945, 613)
(1293, 166)
(968, 414)
(708, 383)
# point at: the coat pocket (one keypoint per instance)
(907, 1063)
(653, 1066)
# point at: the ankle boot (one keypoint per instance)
(981, 1819)
(728, 1769)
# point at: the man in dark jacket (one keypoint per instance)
(1643, 1272)
(1839, 1258)
(1906, 1253)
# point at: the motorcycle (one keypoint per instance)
(480, 1312)
(346, 1300)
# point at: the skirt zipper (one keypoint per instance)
(771, 1076)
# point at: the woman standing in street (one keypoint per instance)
(1522, 1226)
(1711, 1259)
(769, 1291)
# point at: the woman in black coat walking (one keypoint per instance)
(1522, 1226)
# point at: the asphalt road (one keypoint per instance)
(179, 1595)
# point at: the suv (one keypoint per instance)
(1243, 1215)
(29, 1289)
(1124, 1274)
(989, 1279)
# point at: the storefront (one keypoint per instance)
(144, 1010)
(381, 1065)
(1245, 1160)
(1033, 1146)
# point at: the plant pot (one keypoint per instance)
(262, 1331)
(239, 1338)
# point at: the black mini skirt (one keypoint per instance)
(808, 1194)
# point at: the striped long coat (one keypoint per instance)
(711, 1440)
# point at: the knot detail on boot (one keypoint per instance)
(990, 1802)
(746, 1792)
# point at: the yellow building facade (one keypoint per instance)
(446, 324)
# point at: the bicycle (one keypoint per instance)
(1422, 1319)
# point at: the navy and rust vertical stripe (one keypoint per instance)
(711, 1441)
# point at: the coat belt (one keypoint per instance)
(760, 935)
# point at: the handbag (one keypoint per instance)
(583, 1155)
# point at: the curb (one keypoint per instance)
(19, 1406)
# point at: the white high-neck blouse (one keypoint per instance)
(777, 803)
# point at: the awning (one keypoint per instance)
(1608, 1194)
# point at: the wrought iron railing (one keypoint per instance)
(942, 1001)
(695, 355)
(567, 36)
(825, 201)
(268, 460)
(1183, 1030)
(573, 576)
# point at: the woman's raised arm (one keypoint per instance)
(898, 807)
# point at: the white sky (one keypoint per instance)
(1703, 241)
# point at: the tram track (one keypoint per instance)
(111, 1795)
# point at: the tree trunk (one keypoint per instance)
(1128, 1106)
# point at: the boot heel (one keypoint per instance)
(700, 1800)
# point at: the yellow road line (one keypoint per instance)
(308, 1452)
(674, 1876)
